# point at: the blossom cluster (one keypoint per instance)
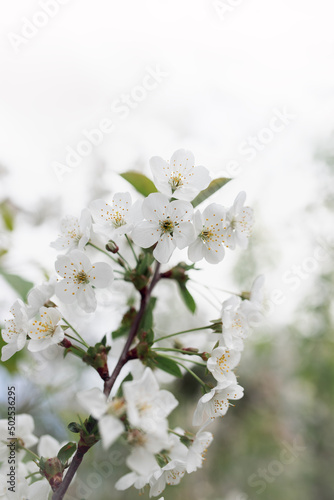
(165, 220)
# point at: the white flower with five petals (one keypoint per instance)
(80, 277)
(197, 451)
(215, 403)
(222, 362)
(45, 330)
(106, 412)
(74, 233)
(147, 405)
(117, 218)
(235, 323)
(167, 223)
(210, 240)
(239, 223)
(170, 474)
(39, 295)
(179, 178)
(15, 331)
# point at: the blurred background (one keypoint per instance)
(92, 89)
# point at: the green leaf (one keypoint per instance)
(140, 182)
(66, 452)
(187, 297)
(214, 186)
(20, 285)
(168, 365)
(7, 216)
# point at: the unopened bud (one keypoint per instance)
(52, 469)
(112, 247)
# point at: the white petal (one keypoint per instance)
(160, 168)
(99, 209)
(85, 220)
(196, 250)
(182, 160)
(155, 207)
(66, 291)
(126, 481)
(164, 249)
(215, 213)
(48, 446)
(39, 345)
(101, 275)
(40, 490)
(110, 428)
(81, 261)
(53, 314)
(180, 211)
(214, 252)
(166, 403)
(145, 234)
(184, 234)
(93, 401)
(239, 202)
(8, 351)
(86, 298)
(141, 461)
(63, 266)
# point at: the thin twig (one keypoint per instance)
(108, 385)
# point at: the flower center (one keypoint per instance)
(223, 362)
(118, 219)
(81, 277)
(167, 226)
(175, 181)
(206, 235)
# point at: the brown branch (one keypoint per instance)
(108, 385)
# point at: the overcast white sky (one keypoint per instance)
(223, 78)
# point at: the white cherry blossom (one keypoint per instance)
(15, 331)
(106, 412)
(223, 360)
(179, 178)
(75, 233)
(216, 402)
(167, 223)
(170, 474)
(80, 279)
(45, 330)
(39, 295)
(147, 405)
(209, 243)
(117, 218)
(239, 223)
(197, 451)
(235, 323)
